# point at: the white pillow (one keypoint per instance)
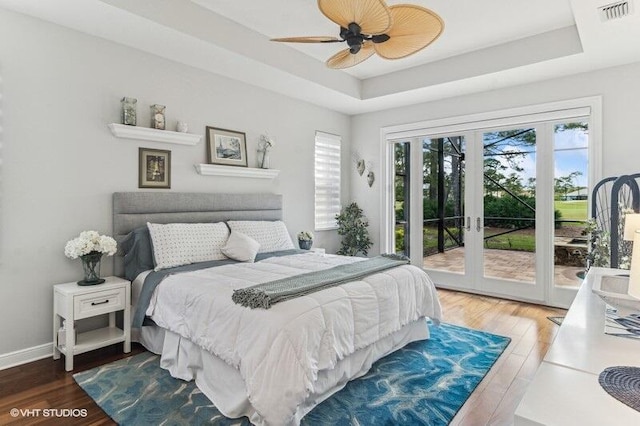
(241, 247)
(176, 244)
(272, 236)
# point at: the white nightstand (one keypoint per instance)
(72, 302)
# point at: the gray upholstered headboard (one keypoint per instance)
(134, 209)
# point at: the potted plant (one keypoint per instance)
(305, 240)
(352, 225)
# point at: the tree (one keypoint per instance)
(565, 184)
(572, 126)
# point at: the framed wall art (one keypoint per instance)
(155, 168)
(226, 147)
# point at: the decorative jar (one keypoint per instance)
(129, 111)
(157, 117)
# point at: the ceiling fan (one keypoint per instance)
(370, 26)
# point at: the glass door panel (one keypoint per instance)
(443, 171)
(571, 202)
(509, 205)
(402, 197)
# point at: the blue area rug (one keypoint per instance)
(424, 383)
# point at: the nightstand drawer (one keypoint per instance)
(102, 302)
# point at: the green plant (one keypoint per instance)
(600, 251)
(352, 225)
(600, 243)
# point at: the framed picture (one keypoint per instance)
(155, 168)
(226, 147)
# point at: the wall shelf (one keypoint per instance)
(245, 172)
(148, 134)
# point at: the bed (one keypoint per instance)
(270, 365)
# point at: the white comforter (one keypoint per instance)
(279, 351)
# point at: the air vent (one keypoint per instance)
(616, 10)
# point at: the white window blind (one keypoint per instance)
(327, 176)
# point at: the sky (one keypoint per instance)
(575, 159)
(571, 154)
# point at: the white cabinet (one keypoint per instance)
(72, 302)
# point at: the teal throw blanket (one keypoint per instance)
(266, 294)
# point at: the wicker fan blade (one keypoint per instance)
(313, 39)
(372, 16)
(346, 59)
(414, 28)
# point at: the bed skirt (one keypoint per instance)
(224, 386)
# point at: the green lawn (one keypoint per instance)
(521, 240)
(512, 241)
(572, 210)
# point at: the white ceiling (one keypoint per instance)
(464, 32)
(485, 45)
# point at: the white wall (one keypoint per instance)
(619, 87)
(59, 164)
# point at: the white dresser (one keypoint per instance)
(565, 390)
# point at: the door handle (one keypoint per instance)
(468, 226)
(478, 226)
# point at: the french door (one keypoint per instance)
(484, 209)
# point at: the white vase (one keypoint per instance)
(263, 159)
(182, 127)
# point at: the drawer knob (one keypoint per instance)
(99, 303)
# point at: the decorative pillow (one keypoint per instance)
(241, 247)
(138, 255)
(176, 244)
(272, 236)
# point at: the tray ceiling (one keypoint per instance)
(485, 44)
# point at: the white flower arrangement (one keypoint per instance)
(88, 242)
(266, 142)
(305, 236)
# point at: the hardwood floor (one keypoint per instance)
(495, 399)
(44, 384)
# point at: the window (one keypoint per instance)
(327, 180)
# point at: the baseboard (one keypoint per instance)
(23, 356)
